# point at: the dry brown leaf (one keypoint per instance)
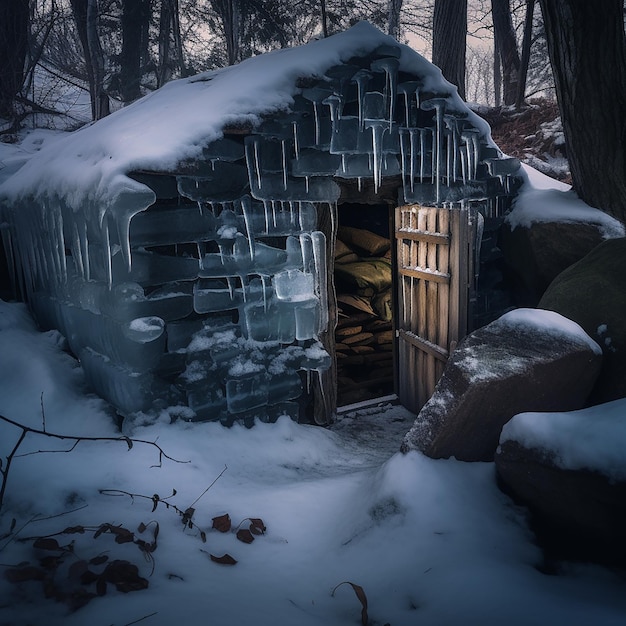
(225, 559)
(222, 523)
(360, 594)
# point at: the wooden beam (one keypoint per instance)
(425, 274)
(422, 344)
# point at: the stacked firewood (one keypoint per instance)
(364, 335)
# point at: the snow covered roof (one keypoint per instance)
(174, 123)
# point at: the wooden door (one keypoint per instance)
(435, 273)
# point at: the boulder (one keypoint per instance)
(526, 360)
(536, 254)
(593, 294)
(569, 469)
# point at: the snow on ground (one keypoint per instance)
(431, 542)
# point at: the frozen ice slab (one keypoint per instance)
(294, 285)
(271, 322)
(168, 226)
(287, 386)
(128, 391)
(148, 268)
(247, 391)
(314, 189)
(137, 345)
(267, 261)
(216, 295)
(282, 218)
(208, 404)
(315, 163)
(307, 319)
(361, 166)
(223, 183)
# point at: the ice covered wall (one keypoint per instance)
(176, 243)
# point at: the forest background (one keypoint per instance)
(499, 53)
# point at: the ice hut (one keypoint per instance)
(238, 242)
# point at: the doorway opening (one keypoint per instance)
(365, 294)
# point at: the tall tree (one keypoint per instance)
(135, 20)
(506, 49)
(449, 40)
(394, 7)
(587, 47)
(13, 51)
(525, 60)
(86, 18)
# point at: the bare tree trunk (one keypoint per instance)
(14, 17)
(449, 40)
(324, 18)
(165, 21)
(497, 73)
(526, 43)
(135, 17)
(86, 18)
(587, 47)
(393, 14)
(504, 33)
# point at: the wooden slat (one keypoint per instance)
(425, 274)
(432, 349)
(429, 237)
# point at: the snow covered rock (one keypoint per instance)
(593, 294)
(570, 470)
(527, 360)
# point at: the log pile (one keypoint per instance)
(364, 335)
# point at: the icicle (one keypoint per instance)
(317, 123)
(343, 162)
(463, 166)
(360, 183)
(403, 156)
(438, 104)
(319, 258)
(448, 157)
(283, 148)
(413, 149)
(308, 381)
(106, 248)
(246, 206)
(306, 183)
(296, 143)
(264, 286)
(378, 130)
(306, 249)
(243, 287)
(361, 78)
(274, 212)
(266, 211)
(231, 289)
(422, 152)
(390, 67)
(292, 217)
(334, 104)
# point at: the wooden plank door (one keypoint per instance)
(435, 266)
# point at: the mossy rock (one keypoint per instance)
(592, 292)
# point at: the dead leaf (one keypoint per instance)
(18, 575)
(99, 560)
(360, 594)
(46, 543)
(124, 575)
(222, 523)
(243, 534)
(77, 569)
(257, 526)
(225, 559)
(187, 515)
